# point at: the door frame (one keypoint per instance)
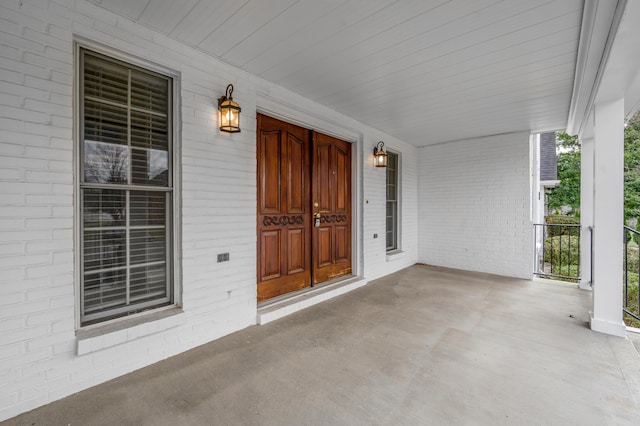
(333, 125)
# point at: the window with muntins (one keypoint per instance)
(126, 188)
(392, 201)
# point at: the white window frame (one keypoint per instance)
(396, 231)
(173, 212)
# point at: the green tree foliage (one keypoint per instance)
(632, 168)
(568, 192)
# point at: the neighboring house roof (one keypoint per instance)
(548, 161)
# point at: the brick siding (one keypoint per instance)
(475, 205)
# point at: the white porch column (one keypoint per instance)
(608, 217)
(537, 198)
(586, 210)
(537, 195)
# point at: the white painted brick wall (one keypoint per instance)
(38, 341)
(474, 203)
(376, 260)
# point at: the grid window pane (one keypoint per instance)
(392, 161)
(149, 130)
(148, 246)
(104, 208)
(149, 167)
(104, 249)
(105, 122)
(148, 208)
(149, 92)
(105, 163)
(391, 192)
(148, 282)
(104, 291)
(389, 240)
(105, 79)
(126, 124)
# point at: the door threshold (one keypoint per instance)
(282, 306)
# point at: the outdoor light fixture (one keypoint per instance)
(229, 112)
(379, 156)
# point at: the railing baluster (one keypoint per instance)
(551, 257)
(544, 246)
(560, 264)
(560, 249)
(545, 236)
(578, 231)
(569, 253)
(535, 249)
(591, 255)
(626, 268)
(638, 283)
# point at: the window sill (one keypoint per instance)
(395, 255)
(102, 336)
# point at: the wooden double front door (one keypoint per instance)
(304, 207)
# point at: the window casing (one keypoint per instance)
(126, 188)
(392, 202)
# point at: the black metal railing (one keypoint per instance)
(590, 229)
(557, 251)
(631, 290)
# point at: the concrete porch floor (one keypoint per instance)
(425, 345)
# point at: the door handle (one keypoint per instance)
(316, 220)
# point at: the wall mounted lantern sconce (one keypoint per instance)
(229, 112)
(379, 156)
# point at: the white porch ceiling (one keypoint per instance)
(425, 71)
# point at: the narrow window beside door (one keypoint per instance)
(126, 188)
(392, 201)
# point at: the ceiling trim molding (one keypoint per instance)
(480, 137)
(600, 19)
(584, 44)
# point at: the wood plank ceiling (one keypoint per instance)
(425, 71)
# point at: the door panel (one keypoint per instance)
(284, 217)
(296, 175)
(342, 250)
(296, 253)
(322, 180)
(324, 246)
(271, 264)
(343, 166)
(269, 175)
(331, 196)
